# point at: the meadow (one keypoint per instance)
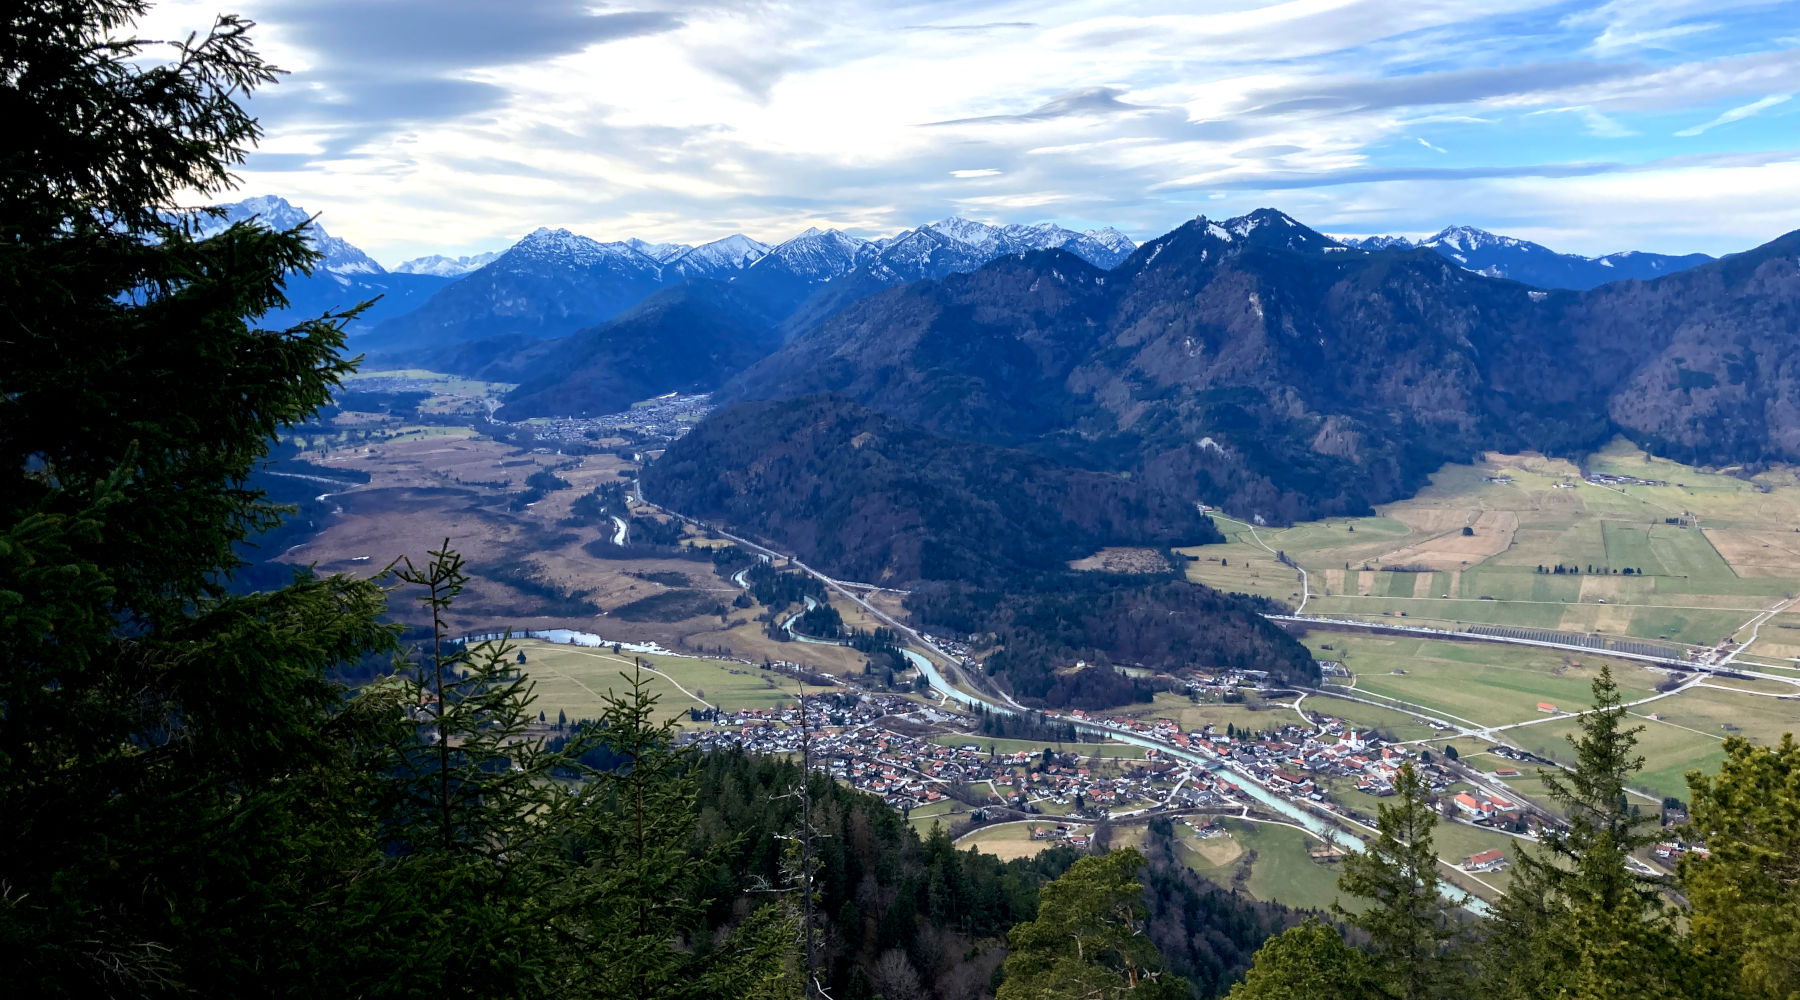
(1008, 841)
(1275, 856)
(576, 680)
(1707, 552)
(1480, 684)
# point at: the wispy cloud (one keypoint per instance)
(456, 125)
(1738, 114)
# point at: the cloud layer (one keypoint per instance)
(457, 125)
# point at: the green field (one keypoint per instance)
(575, 679)
(1007, 841)
(1276, 856)
(1488, 684)
(942, 811)
(1252, 714)
(1388, 722)
(1689, 734)
(1670, 752)
(1731, 555)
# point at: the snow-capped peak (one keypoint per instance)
(1468, 239)
(816, 255)
(1376, 242)
(662, 252)
(736, 250)
(560, 244)
(968, 232)
(1112, 239)
(276, 213)
(446, 267)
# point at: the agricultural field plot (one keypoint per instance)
(1268, 861)
(1713, 550)
(1455, 842)
(1712, 708)
(1008, 841)
(1254, 716)
(1006, 746)
(1240, 566)
(1388, 722)
(575, 680)
(1778, 640)
(1489, 684)
(943, 811)
(1670, 751)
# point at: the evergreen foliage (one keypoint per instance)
(1577, 921)
(1411, 931)
(1308, 962)
(1746, 894)
(1089, 940)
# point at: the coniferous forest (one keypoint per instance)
(197, 805)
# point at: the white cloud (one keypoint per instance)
(770, 115)
(1738, 114)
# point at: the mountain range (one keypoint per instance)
(1258, 365)
(1521, 260)
(554, 282)
(345, 277)
(991, 332)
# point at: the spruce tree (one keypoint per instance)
(1745, 892)
(632, 924)
(1088, 940)
(1412, 933)
(1308, 962)
(1576, 921)
(173, 762)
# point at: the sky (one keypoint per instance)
(456, 126)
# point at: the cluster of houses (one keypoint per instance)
(1608, 479)
(1062, 833)
(1670, 850)
(849, 741)
(670, 417)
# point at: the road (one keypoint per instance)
(1303, 812)
(1756, 625)
(1305, 588)
(1684, 666)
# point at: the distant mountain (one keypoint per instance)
(473, 326)
(720, 258)
(345, 277)
(659, 252)
(685, 338)
(554, 282)
(1533, 264)
(988, 242)
(1258, 364)
(276, 213)
(446, 267)
(549, 284)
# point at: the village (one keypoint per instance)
(917, 757)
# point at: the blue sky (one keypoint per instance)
(420, 126)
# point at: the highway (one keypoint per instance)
(1318, 820)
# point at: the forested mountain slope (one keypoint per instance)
(1258, 365)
